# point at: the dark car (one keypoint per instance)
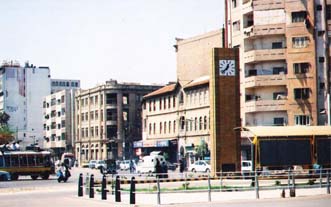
(111, 167)
(171, 166)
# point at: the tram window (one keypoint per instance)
(7, 161)
(31, 160)
(23, 160)
(47, 162)
(1, 161)
(14, 160)
(39, 160)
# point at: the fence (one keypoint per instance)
(135, 185)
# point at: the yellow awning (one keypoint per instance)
(283, 131)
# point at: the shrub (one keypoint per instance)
(277, 182)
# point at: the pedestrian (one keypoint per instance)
(164, 171)
(181, 166)
(132, 167)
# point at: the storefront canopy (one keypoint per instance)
(286, 131)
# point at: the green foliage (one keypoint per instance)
(202, 149)
(277, 182)
(311, 181)
(4, 130)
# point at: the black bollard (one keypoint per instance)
(80, 185)
(328, 182)
(92, 186)
(117, 189)
(104, 188)
(133, 191)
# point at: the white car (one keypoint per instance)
(100, 164)
(200, 166)
(125, 165)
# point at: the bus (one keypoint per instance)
(31, 163)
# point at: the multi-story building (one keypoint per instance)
(21, 96)
(62, 84)
(284, 53)
(108, 120)
(176, 119)
(59, 121)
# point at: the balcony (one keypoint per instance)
(263, 30)
(264, 55)
(265, 105)
(247, 7)
(268, 4)
(265, 80)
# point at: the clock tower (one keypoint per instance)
(225, 110)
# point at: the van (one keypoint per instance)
(147, 164)
(246, 166)
(68, 158)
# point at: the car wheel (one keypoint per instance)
(207, 170)
(45, 176)
(194, 170)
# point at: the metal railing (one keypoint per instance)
(257, 181)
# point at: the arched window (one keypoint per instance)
(195, 123)
(169, 127)
(160, 127)
(200, 123)
(182, 122)
(205, 123)
(174, 129)
(154, 128)
(165, 127)
(150, 128)
(181, 98)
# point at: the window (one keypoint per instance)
(200, 123)
(174, 129)
(160, 104)
(96, 115)
(154, 128)
(165, 127)
(169, 103)
(96, 131)
(328, 12)
(279, 96)
(234, 3)
(169, 127)
(181, 98)
(165, 102)
(279, 121)
(182, 122)
(101, 115)
(195, 123)
(174, 101)
(205, 123)
(302, 120)
(236, 26)
(154, 107)
(278, 70)
(301, 93)
(300, 68)
(300, 42)
(277, 45)
(150, 128)
(160, 127)
(299, 16)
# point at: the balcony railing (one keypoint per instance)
(265, 80)
(264, 55)
(263, 30)
(268, 4)
(265, 105)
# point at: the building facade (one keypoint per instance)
(21, 96)
(176, 119)
(284, 52)
(62, 84)
(108, 120)
(59, 121)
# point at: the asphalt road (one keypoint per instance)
(40, 193)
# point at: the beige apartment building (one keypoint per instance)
(108, 120)
(284, 53)
(58, 121)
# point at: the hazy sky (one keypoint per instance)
(98, 40)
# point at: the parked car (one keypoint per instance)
(111, 168)
(92, 163)
(200, 166)
(147, 164)
(4, 176)
(100, 164)
(125, 165)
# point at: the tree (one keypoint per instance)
(6, 135)
(202, 150)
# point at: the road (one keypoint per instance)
(40, 193)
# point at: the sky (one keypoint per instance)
(99, 40)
